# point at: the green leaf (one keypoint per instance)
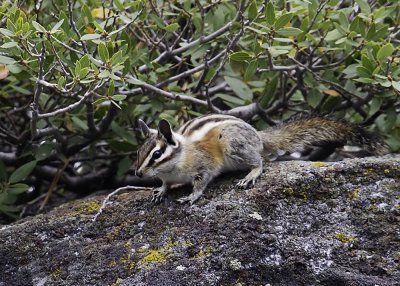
(87, 14)
(123, 133)
(103, 52)
(384, 52)
(269, 91)
(333, 35)
(6, 60)
(44, 151)
(87, 37)
(79, 123)
(119, 5)
(287, 32)
(38, 27)
(251, 70)
(239, 88)
(83, 73)
(358, 25)
(123, 166)
(99, 27)
(371, 32)
(159, 22)
(363, 72)
(375, 105)
(57, 26)
(16, 189)
(134, 81)
(283, 20)
(111, 88)
(118, 97)
(270, 13)
(172, 27)
(240, 56)
(365, 8)
(366, 62)
(77, 68)
(117, 58)
(8, 209)
(252, 12)
(230, 99)
(22, 172)
(343, 21)
(275, 52)
(61, 82)
(396, 85)
(9, 45)
(100, 100)
(85, 61)
(7, 32)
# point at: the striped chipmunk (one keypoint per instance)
(209, 145)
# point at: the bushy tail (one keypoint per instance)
(302, 133)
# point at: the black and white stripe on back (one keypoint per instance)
(197, 124)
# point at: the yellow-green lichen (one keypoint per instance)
(56, 273)
(91, 207)
(344, 238)
(117, 282)
(319, 164)
(127, 263)
(289, 191)
(155, 256)
(368, 171)
(115, 232)
(386, 171)
(112, 263)
(204, 253)
(355, 194)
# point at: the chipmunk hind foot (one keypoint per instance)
(250, 178)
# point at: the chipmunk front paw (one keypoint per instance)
(158, 194)
(189, 199)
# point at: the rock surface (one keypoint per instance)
(303, 223)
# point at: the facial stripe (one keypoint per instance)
(167, 155)
(145, 150)
(160, 147)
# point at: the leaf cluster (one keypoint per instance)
(76, 75)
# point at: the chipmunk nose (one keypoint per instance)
(138, 173)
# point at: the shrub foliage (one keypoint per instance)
(75, 76)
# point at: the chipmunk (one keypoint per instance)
(209, 145)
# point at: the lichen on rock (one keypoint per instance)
(302, 224)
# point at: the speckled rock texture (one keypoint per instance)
(304, 223)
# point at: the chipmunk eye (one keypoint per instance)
(157, 154)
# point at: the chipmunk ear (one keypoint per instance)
(164, 129)
(144, 128)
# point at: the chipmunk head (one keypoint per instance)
(156, 154)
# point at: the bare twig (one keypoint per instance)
(106, 200)
(74, 105)
(36, 96)
(73, 26)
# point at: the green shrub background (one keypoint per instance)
(76, 75)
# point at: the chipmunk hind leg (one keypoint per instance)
(244, 152)
(251, 159)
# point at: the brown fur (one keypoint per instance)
(318, 131)
(212, 145)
